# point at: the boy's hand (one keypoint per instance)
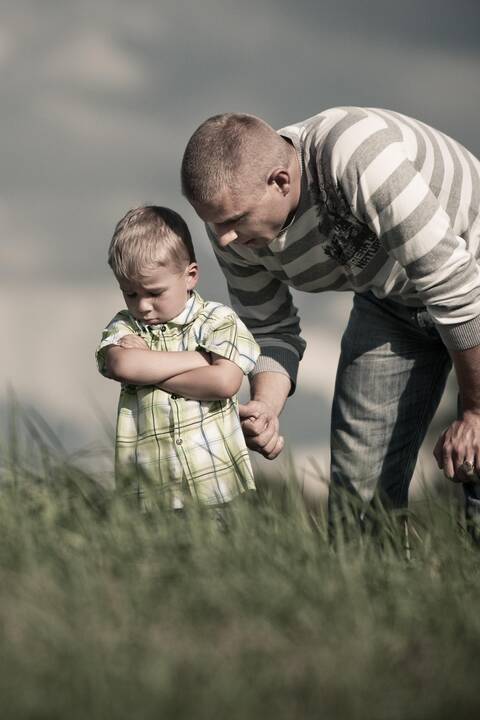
(132, 342)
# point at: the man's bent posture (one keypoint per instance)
(353, 199)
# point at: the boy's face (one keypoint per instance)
(160, 294)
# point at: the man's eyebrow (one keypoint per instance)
(234, 218)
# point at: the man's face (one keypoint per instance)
(160, 294)
(248, 218)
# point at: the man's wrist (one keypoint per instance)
(271, 388)
(470, 412)
(265, 401)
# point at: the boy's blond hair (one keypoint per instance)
(148, 237)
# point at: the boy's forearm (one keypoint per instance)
(207, 383)
(150, 367)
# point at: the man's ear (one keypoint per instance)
(281, 179)
(191, 275)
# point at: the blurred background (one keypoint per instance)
(99, 98)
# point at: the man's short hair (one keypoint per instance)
(148, 237)
(225, 152)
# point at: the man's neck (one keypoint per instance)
(296, 180)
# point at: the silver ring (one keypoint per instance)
(468, 467)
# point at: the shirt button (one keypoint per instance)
(174, 397)
(179, 441)
(163, 328)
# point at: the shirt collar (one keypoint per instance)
(193, 306)
(189, 312)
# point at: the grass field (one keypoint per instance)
(106, 612)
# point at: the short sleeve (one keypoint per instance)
(117, 328)
(224, 334)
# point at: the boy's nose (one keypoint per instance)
(144, 305)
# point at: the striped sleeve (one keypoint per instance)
(264, 303)
(386, 191)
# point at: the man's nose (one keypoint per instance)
(225, 237)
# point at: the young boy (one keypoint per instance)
(181, 361)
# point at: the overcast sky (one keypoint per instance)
(98, 100)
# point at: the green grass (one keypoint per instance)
(106, 612)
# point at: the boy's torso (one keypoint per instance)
(181, 446)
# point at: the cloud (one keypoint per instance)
(98, 101)
(7, 46)
(92, 59)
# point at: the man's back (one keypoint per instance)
(387, 204)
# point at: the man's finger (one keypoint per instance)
(254, 426)
(265, 441)
(248, 411)
(468, 467)
(253, 444)
(269, 451)
(279, 445)
(253, 408)
(269, 444)
(466, 472)
(263, 438)
(447, 464)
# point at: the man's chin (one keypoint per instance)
(256, 242)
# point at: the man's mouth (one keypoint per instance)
(250, 241)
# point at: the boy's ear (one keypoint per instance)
(191, 275)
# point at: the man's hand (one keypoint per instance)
(132, 342)
(261, 428)
(457, 451)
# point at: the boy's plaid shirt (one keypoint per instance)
(173, 445)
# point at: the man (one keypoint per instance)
(353, 199)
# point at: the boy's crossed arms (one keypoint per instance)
(197, 375)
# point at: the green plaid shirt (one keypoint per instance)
(171, 444)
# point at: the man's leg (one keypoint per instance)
(391, 376)
(472, 509)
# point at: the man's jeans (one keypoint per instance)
(391, 375)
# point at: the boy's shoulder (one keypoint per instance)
(213, 310)
(121, 324)
(122, 315)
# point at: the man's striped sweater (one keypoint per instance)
(387, 204)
